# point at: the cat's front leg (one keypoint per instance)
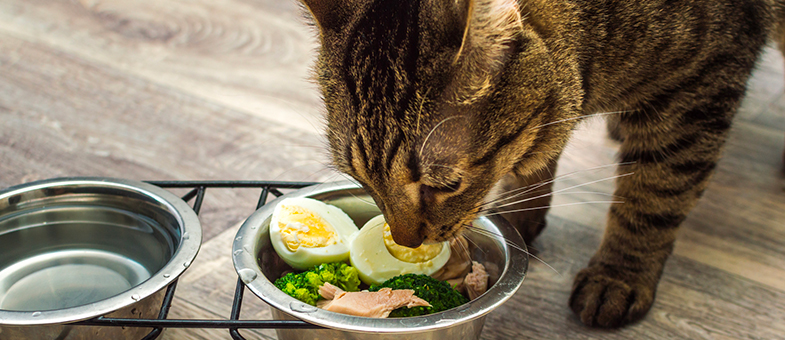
(670, 153)
(620, 282)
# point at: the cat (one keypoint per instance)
(430, 104)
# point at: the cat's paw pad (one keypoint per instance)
(604, 298)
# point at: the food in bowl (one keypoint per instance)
(506, 265)
(378, 258)
(438, 293)
(376, 304)
(304, 286)
(397, 278)
(335, 287)
(306, 232)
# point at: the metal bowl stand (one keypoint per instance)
(233, 324)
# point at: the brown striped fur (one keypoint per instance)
(430, 103)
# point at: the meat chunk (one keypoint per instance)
(328, 291)
(476, 282)
(459, 263)
(369, 304)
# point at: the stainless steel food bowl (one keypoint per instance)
(76, 248)
(258, 266)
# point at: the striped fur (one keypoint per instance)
(430, 103)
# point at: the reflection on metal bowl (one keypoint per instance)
(258, 265)
(78, 248)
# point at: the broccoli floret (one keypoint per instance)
(305, 286)
(439, 294)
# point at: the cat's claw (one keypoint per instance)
(605, 298)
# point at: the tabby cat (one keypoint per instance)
(431, 103)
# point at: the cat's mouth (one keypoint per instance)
(426, 232)
(437, 233)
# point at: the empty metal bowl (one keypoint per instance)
(258, 266)
(72, 249)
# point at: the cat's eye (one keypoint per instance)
(450, 187)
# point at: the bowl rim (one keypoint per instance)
(244, 250)
(190, 242)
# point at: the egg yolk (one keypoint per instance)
(422, 253)
(304, 228)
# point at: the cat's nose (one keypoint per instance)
(408, 238)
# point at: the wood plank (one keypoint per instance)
(206, 291)
(250, 56)
(65, 116)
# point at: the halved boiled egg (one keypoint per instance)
(378, 258)
(306, 232)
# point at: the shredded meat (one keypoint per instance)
(369, 304)
(459, 263)
(476, 282)
(328, 291)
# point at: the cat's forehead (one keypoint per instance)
(388, 55)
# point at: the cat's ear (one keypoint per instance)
(491, 28)
(487, 24)
(329, 14)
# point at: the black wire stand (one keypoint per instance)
(233, 324)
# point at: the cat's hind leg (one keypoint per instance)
(527, 198)
(671, 148)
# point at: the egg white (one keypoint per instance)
(370, 256)
(305, 257)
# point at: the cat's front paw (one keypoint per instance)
(606, 297)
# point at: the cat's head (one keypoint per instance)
(430, 102)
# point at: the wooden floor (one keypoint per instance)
(219, 89)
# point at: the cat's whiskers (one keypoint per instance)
(317, 176)
(512, 194)
(422, 106)
(551, 194)
(507, 195)
(491, 234)
(375, 225)
(517, 192)
(564, 189)
(340, 173)
(425, 142)
(598, 193)
(464, 247)
(551, 206)
(307, 162)
(359, 186)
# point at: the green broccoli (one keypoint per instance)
(439, 294)
(305, 286)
